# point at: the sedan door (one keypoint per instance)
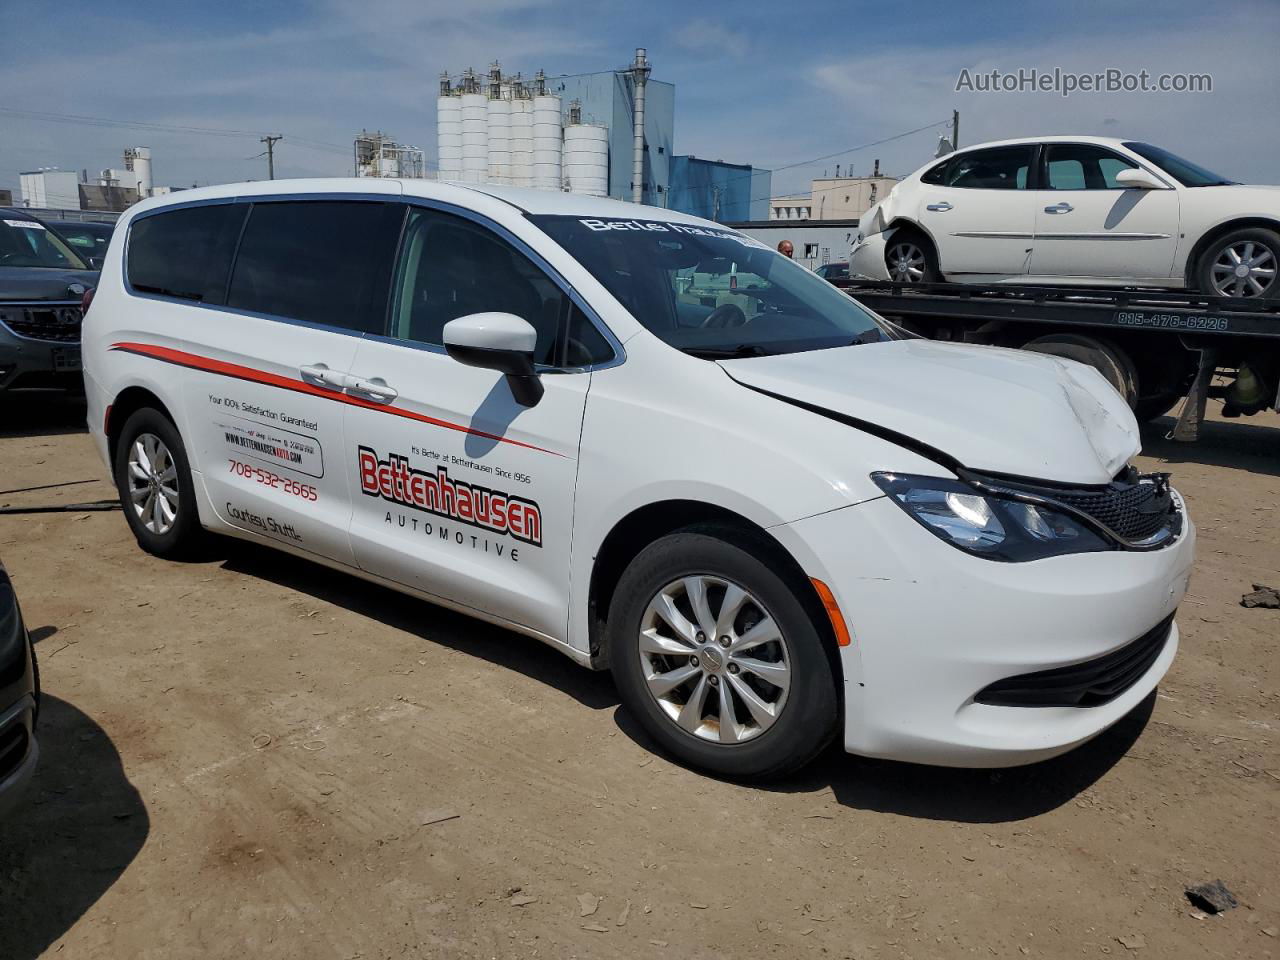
(1091, 227)
(459, 490)
(979, 212)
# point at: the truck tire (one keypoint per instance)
(1103, 355)
(703, 627)
(1253, 250)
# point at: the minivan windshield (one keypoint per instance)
(26, 243)
(712, 292)
(1184, 171)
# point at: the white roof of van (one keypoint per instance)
(471, 195)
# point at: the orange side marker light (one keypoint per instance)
(828, 599)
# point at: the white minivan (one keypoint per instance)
(656, 445)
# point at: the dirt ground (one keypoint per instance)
(252, 756)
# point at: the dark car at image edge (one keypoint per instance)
(44, 285)
(19, 700)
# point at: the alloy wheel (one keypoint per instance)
(1243, 269)
(153, 483)
(714, 659)
(906, 262)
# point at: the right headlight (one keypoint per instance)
(987, 526)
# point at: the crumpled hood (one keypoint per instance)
(43, 283)
(991, 409)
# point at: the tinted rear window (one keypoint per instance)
(185, 253)
(322, 261)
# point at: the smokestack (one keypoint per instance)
(640, 76)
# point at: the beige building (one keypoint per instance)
(832, 198)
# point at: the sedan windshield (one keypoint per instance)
(26, 243)
(712, 292)
(1184, 171)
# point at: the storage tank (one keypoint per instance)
(586, 159)
(138, 159)
(522, 142)
(449, 136)
(475, 137)
(548, 143)
(499, 139)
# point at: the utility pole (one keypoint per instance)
(270, 141)
(955, 129)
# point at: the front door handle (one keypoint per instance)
(375, 389)
(941, 207)
(1063, 207)
(320, 375)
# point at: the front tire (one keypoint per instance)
(153, 478)
(910, 258)
(718, 658)
(1241, 264)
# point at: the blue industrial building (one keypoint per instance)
(725, 192)
(608, 99)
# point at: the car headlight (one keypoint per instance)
(987, 526)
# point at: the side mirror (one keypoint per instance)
(1137, 178)
(498, 341)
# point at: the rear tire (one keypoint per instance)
(676, 679)
(153, 479)
(1154, 407)
(1254, 248)
(1103, 355)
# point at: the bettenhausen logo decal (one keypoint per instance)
(394, 480)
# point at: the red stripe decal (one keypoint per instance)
(237, 371)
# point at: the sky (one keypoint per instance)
(769, 84)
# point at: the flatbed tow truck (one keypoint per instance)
(1156, 347)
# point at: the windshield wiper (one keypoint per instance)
(727, 353)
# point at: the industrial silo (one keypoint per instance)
(521, 139)
(548, 143)
(449, 132)
(475, 137)
(499, 111)
(586, 159)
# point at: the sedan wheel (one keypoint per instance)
(1243, 269)
(153, 483)
(714, 659)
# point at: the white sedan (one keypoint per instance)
(1074, 210)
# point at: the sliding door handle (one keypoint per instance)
(319, 374)
(375, 389)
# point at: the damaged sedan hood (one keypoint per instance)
(991, 409)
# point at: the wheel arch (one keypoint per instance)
(903, 223)
(1215, 233)
(128, 402)
(649, 523)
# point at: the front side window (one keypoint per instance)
(26, 243)
(321, 261)
(451, 267)
(185, 253)
(1184, 171)
(1082, 166)
(712, 292)
(999, 168)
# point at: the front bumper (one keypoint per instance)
(19, 752)
(28, 363)
(933, 626)
(866, 259)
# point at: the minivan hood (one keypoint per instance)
(991, 409)
(44, 283)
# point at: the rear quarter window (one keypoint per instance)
(185, 253)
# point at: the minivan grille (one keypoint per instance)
(55, 322)
(1133, 506)
(1088, 684)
